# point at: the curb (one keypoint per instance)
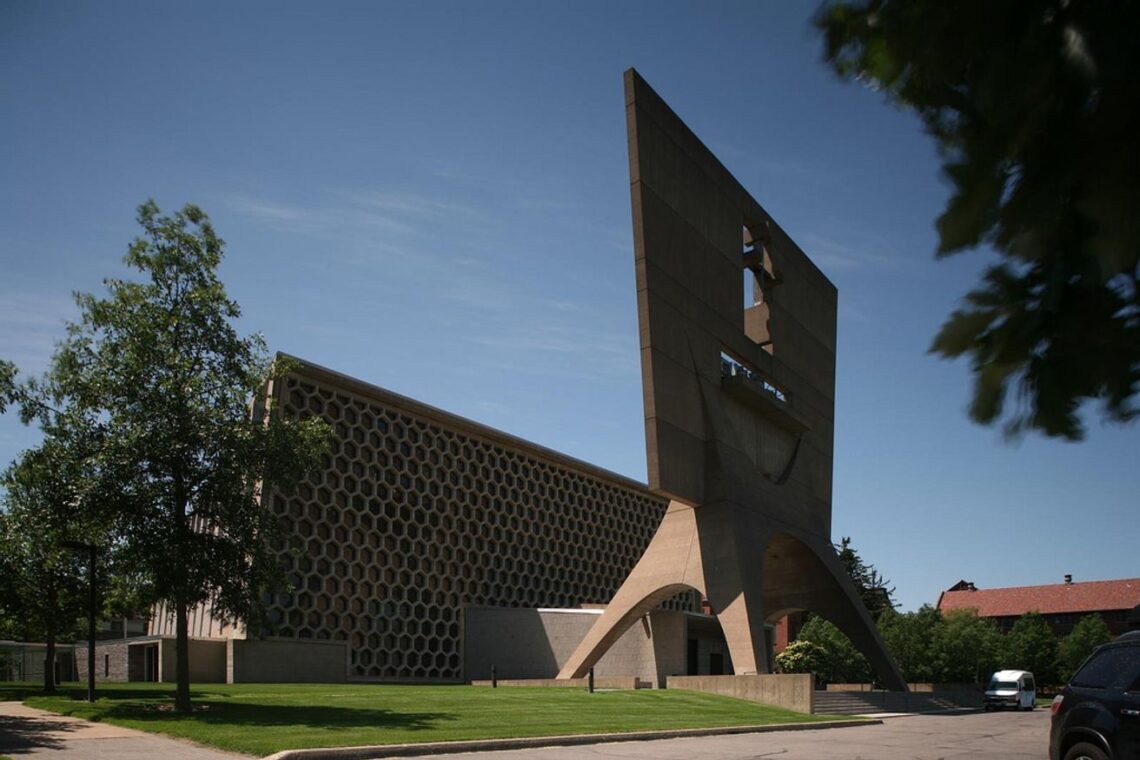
(490, 745)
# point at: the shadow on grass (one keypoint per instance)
(312, 716)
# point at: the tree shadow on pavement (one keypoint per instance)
(19, 732)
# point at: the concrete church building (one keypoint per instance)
(431, 548)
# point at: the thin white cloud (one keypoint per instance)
(30, 325)
(325, 221)
(836, 255)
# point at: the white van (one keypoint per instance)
(1011, 688)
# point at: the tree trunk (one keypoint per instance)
(182, 627)
(49, 664)
(49, 639)
(182, 659)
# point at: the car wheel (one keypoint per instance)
(1084, 751)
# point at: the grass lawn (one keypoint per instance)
(260, 719)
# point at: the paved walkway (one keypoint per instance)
(26, 732)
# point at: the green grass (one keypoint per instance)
(260, 719)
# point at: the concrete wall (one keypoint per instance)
(534, 644)
(285, 661)
(207, 660)
(791, 691)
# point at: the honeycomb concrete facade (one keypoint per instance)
(418, 513)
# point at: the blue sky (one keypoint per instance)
(433, 197)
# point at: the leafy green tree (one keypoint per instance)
(876, 591)
(159, 371)
(45, 586)
(966, 648)
(803, 656)
(842, 662)
(1089, 633)
(1035, 108)
(910, 637)
(8, 387)
(1031, 645)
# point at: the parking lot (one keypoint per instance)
(1005, 735)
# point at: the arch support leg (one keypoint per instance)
(671, 564)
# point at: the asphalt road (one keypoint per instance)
(1001, 735)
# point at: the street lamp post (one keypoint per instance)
(90, 549)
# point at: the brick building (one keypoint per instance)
(1062, 604)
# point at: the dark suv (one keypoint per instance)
(1097, 716)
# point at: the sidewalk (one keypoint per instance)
(26, 732)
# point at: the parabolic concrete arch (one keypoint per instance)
(739, 404)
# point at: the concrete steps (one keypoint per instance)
(864, 702)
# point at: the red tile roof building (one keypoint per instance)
(1062, 604)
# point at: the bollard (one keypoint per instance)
(590, 683)
(494, 679)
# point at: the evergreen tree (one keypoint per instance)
(876, 591)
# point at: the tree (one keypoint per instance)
(966, 648)
(1088, 634)
(1031, 645)
(803, 656)
(875, 590)
(158, 370)
(842, 662)
(44, 587)
(1035, 108)
(8, 387)
(910, 637)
